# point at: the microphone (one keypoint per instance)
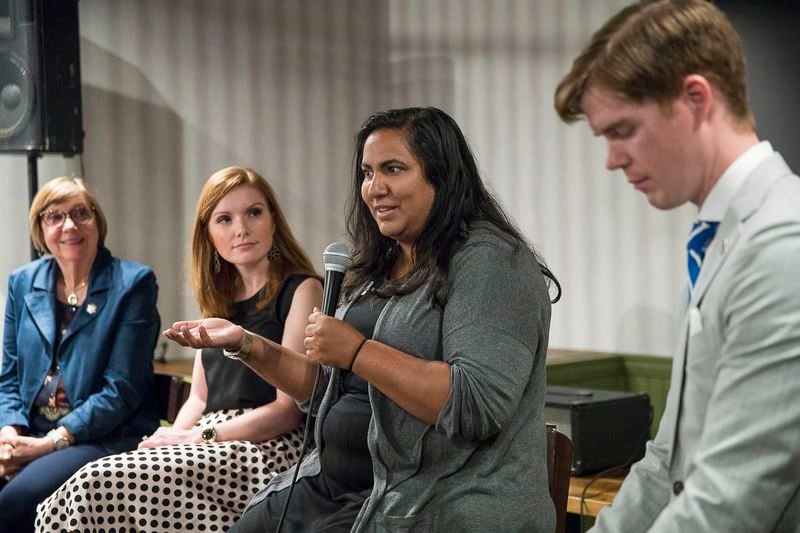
(337, 259)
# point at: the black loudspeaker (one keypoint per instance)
(40, 79)
(607, 428)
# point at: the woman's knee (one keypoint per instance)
(18, 500)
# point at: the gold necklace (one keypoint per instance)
(72, 298)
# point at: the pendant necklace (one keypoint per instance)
(72, 297)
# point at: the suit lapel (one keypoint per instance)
(40, 304)
(671, 415)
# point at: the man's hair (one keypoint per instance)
(646, 50)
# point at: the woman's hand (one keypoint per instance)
(169, 436)
(18, 451)
(6, 451)
(206, 333)
(8, 436)
(26, 449)
(331, 341)
(7, 432)
(8, 467)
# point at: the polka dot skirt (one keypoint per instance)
(183, 487)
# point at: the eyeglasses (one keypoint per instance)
(79, 214)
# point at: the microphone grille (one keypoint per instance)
(337, 256)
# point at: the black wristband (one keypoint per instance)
(358, 350)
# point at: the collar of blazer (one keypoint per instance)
(41, 304)
(746, 201)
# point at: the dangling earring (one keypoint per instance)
(273, 253)
(217, 266)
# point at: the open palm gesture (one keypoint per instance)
(206, 333)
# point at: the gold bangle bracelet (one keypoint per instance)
(244, 349)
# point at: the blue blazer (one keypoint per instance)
(106, 358)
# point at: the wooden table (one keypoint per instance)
(181, 368)
(561, 355)
(172, 386)
(599, 494)
(603, 490)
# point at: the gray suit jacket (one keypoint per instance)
(727, 453)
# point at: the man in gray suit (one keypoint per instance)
(663, 83)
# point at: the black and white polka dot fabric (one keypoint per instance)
(184, 487)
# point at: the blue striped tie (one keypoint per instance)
(699, 239)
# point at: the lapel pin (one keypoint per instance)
(91, 309)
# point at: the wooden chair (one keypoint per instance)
(559, 464)
(171, 393)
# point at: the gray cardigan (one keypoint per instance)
(482, 467)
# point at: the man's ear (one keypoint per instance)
(698, 94)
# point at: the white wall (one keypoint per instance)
(174, 90)
(495, 66)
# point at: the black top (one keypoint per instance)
(53, 383)
(345, 458)
(231, 384)
(52, 394)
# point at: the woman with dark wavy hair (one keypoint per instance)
(431, 417)
(461, 198)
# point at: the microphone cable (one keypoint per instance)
(303, 448)
(337, 259)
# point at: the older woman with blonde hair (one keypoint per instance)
(80, 328)
(235, 431)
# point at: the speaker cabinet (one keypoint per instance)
(607, 428)
(40, 80)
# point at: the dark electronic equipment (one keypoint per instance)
(607, 428)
